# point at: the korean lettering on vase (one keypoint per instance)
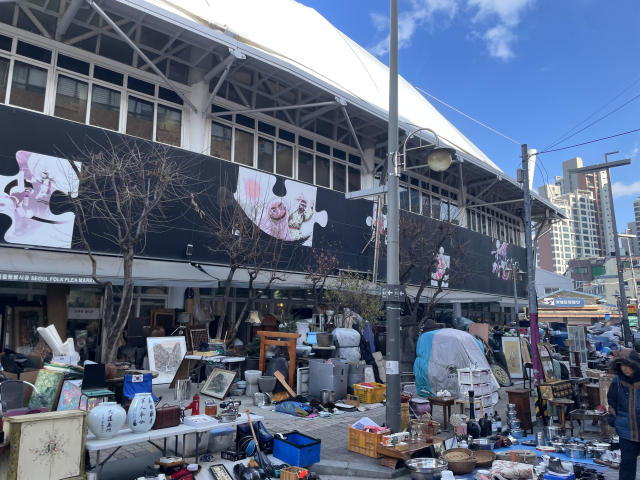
(109, 420)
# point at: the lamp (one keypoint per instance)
(254, 318)
(440, 158)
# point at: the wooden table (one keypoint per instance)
(561, 404)
(283, 340)
(446, 403)
(391, 456)
(464, 404)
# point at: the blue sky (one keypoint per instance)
(531, 69)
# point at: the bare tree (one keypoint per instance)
(436, 251)
(264, 258)
(322, 265)
(125, 192)
(352, 290)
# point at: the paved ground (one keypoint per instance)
(331, 431)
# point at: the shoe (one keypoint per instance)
(555, 466)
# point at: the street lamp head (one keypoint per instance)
(440, 159)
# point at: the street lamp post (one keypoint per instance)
(628, 339)
(628, 237)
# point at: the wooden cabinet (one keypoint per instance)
(45, 446)
(520, 397)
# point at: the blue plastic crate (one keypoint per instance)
(296, 449)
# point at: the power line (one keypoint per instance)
(461, 113)
(592, 141)
(561, 138)
(601, 118)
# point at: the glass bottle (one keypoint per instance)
(485, 426)
(494, 424)
(498, 422)
(473, 427)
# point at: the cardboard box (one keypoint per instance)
(67, 359)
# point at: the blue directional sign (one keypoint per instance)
(569, 302)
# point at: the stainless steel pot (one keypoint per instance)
(595, 452)
(227, 417)
(606, 446)
(511, 407)
(327, 396)
(258, 399)
(514, 423)
(540, 439)
(559, 446)
(552, 431)
(482, 444)
(517, 432)
(575, 451)
(426, 468)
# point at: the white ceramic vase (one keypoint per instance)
(106, 419)
(142, 413)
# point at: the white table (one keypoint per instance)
(127, 437)
(201, 430)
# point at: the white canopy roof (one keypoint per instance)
(297, 36)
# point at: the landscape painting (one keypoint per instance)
(165, 356)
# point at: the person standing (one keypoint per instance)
(624, 409)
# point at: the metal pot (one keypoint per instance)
(482, 444)
(426, 468)
(595, 452)
(575, 451)
(517, 433)
(559, 446)
(511, 407)
(540, 439)
(552, 432)
(514, 423)
(258, 399)
(606, 446)
(327, 396)
(227, 417)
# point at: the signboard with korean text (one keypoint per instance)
(569, 302)
(79, 313)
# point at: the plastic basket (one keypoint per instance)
(365, 443)
(297, 449)
(370, 395)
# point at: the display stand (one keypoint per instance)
(283, 340)
(477, 380)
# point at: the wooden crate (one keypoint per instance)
(291, 473)
(365, 443)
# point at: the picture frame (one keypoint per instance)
(165, 356)
(219, 383)
(513, 355)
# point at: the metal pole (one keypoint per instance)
(515, 270)
(626, 331)
(393, 272)
(531, 282)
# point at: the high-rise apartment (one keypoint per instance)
(634, 228)
(596, 183)
(576, 237)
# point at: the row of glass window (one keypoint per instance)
(276, 150)
(24, 84)
(484, 223)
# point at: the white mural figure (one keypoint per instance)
(289, 218)
(372, 220)
(443, 262)
(26, 197)
(501, 264)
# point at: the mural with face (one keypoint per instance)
(290, 217)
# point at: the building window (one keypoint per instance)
(221, 141)
(71, 99)
(105, 108)
(28, 86)
(140, 118)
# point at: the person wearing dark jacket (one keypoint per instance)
(624, 409)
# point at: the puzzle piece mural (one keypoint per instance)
(25, 199)
(289, 218)
(371, 222)
(501, 264)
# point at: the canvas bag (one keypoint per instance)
(503, 470)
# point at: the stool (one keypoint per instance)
(446, 403)
(464, 403)
(561, 404)
(283, 340)
(528, 371)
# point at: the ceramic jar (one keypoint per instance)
(106, 419)
(142, 413)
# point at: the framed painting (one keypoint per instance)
(511, 349)
(27, 321)
(48, 385)
(165, 356)
(219, 383)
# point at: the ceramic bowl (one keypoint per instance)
(267, 384)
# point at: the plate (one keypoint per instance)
(528, 443)
(545, 449)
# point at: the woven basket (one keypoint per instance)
(427, 427)
(462, 467)
(457, 454)
(485, 458)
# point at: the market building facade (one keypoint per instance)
(305, 121)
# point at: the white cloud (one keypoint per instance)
(622, 190)
(496, 19)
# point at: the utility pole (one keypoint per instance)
(393, 234)
(626, 330)
(531, 282)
